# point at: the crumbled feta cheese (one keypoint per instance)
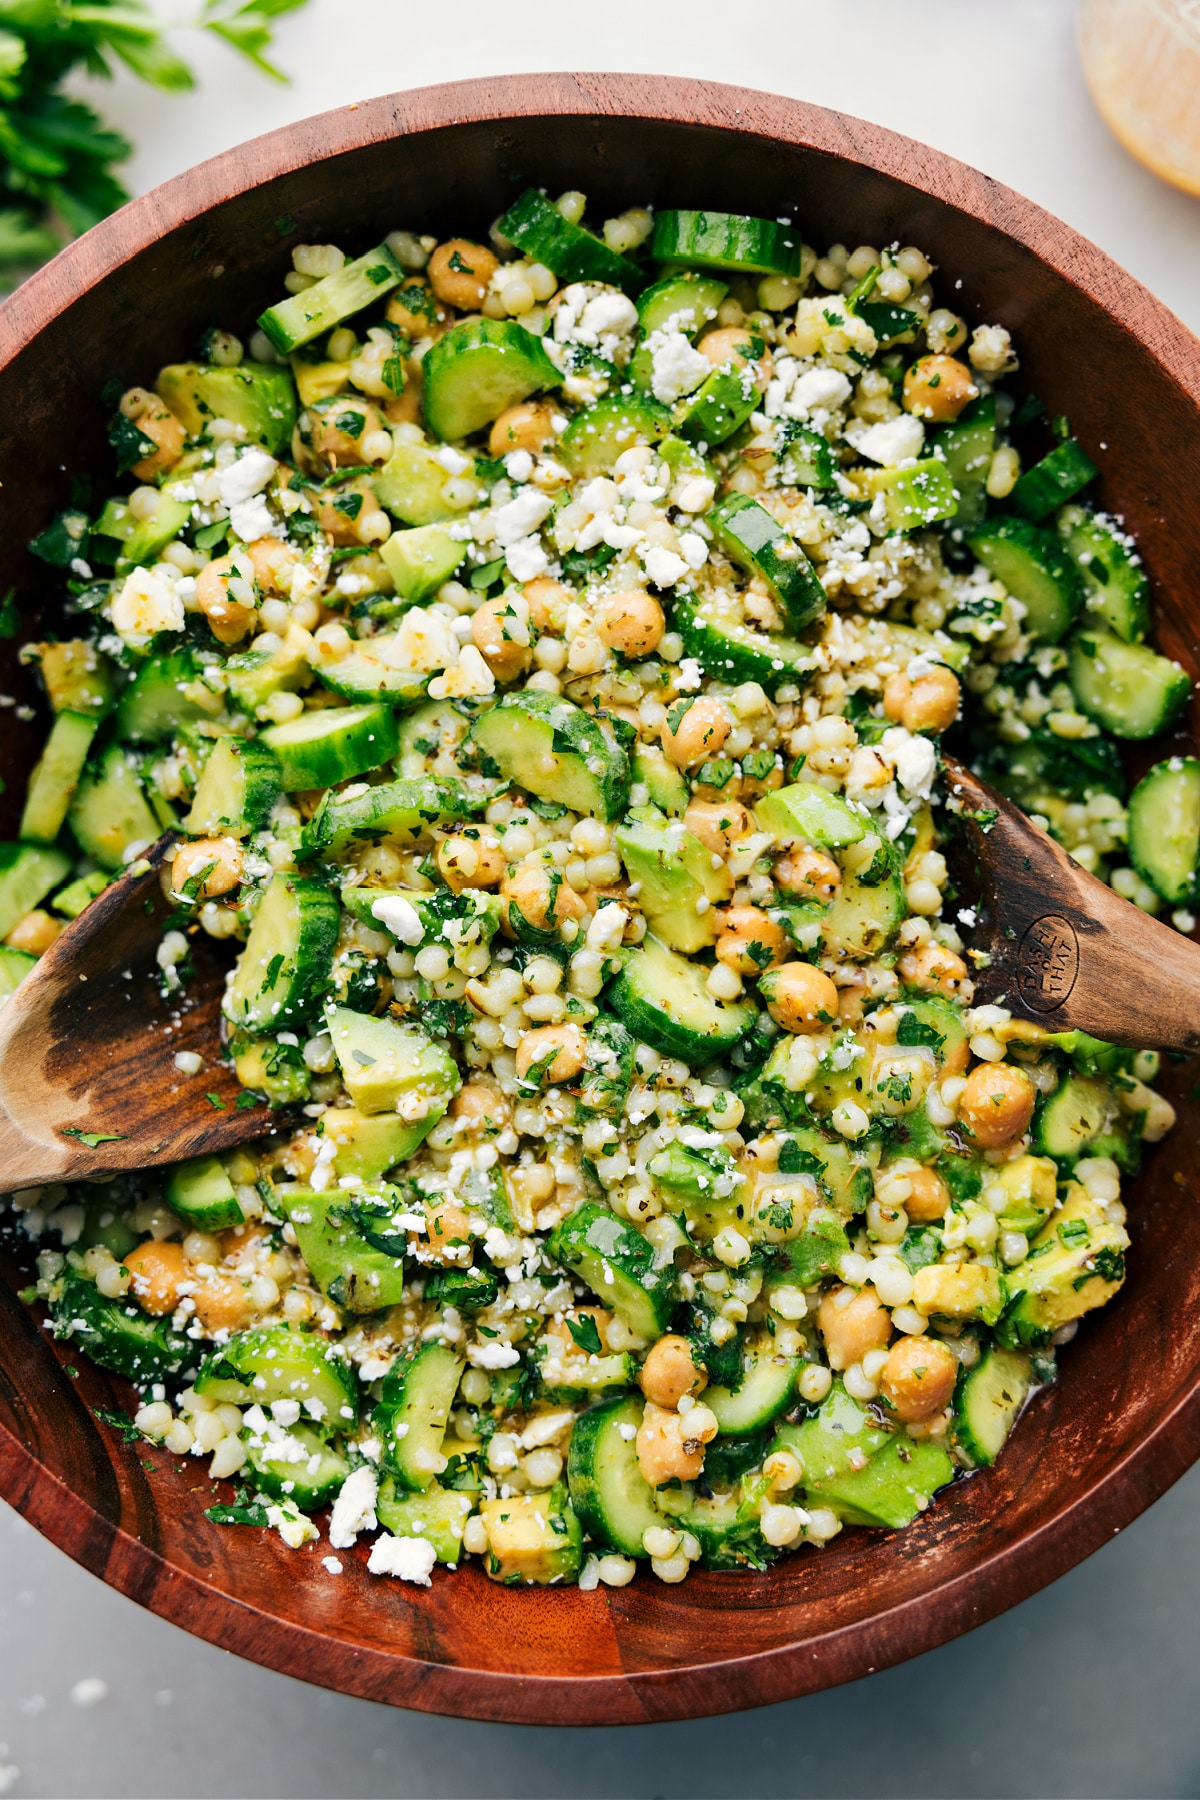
(424, 639)
(526, 559)
(407, 1558)
(452, 460)
(285, 1412)
(291, 1524)
(492, 1355)
(689, 675)
(607, 926)
(354, 1508)
(146, 604)
(676, 368)
(333, 1563)
(892, 442)
(470, 676)
(322, 1169)
(518, 465)
(693, 549)
(244, 478)
(251, 519)
(520, 516)
(663, 567)
(913, 758)
(400, 917)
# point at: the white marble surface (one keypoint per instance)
(1087, 1689)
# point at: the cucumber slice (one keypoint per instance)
(732, 241)
(914, 498)
(260, 397)
(420, 560)
(600, 433)
(733, 652)
(811, 813)
(675, 871)
(720, 405)
(296, 1465)
(552, 748)
(149, 536)
(238, 787)
(56, 775)
(412, 484)
(201, 1192)
(727, 1526)
(395, 809)
(1118, 590)
(766, 1389)
(430, 728)
(966, 448)
(989, 1401)
(611, 1496)
(1083, 1117)
(467, 1289)
(438, 1515)
(276, 1362)
(679, 303)
(433, 908)
(332, 744)
(1164, 828)
(109, 811)
(411, 1417)
(478, 370)
(535, 225)
(302, 317)
(860, 922)
(117, 1334)
(281, 974)
(1057, 478)
(71, 900)
(1129, 689)
(619, 1265)
(663, 1000)
(365, 674)
(1076, 1263)
(355, 1274)
(14, 967)
(384, 1061)
(803, 457)
(1035, 569)
(750, 537)
(577, 1378)
(154, 706)
(665, 785)
(77, 678)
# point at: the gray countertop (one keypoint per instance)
(1087, 1689)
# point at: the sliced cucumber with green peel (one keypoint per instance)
(915, 498)
(863, 917)
(430, 728)
(613, 1499)
(405, 809)
(535, 225)
(72, 900)
(1118, 589)
(413, 1409)
(332, 744)
(261, 397)
(1083, 1117)
(720, 405)
(148, 537)
(967, 448)
(438, 1515)
(76, 676)
(282, 971)
(14, 967)
(601, 433)
(354, 1272)
(664, 1001)
(478, 913)
(109, 812)
(296, 1465)
(302, 317)
(733, 652)
(278, 1362)
(989, 1400)
(255, 675)
(576, 1378)
(750, 537)
(665, 784)
(804, 458)
(56, 775)
(384, 1060)
(1164, 828)
(1035, 569)
(766, 1389)
(619, 1265)
(239, 786)
(682, 302)
(745, 246)
(478, 370)
(365, 673)
(420, 560)
(811, 813)
(553, 749)
(154, 705)
(201, 1192)
(1054, 480)
(1128, 688)
(116, 1333)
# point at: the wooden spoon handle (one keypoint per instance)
(1066, 951)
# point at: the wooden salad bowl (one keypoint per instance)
(1123, 1421)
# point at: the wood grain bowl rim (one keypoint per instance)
(1085, 1519)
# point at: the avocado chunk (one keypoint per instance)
(438, 1515)
(964, 1291)
(1076, 1263)
(261, 397)
(389, 1067)
(533, 1539)
(665, 785)
(420, 560)
(354, 1274)
(254, 675)
(681, 880)
(810, 812)
(867, 1475)
(369, 1144)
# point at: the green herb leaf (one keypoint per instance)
(92, 1138)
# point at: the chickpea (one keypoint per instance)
(529, 426)
(157, 422)
(500, 632)
(338, 427)
(670, 1445)
(852, 1330)
(566, 1043)
(633, 622)
(930, 703)
(472, 858)
(448, 1233)
(938, 387)
(749, 941)
(413, 309)
(34, 933)
(929, 1197)
(800, 997)
(547, 601)
(933, 969)
(229, 617)
(729, 343)
(338, 516)
(808, 872)
(217, 861)
(918, 1378)
(559, 1330)
(717, 823)
(700, 729)
(480, 1108)
(158, 1270)
(544, 902)
(222, 1303)
(274, 564)
(997, 1104)
(459, 272)
(669, 1372)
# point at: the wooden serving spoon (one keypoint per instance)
(89, 1083)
